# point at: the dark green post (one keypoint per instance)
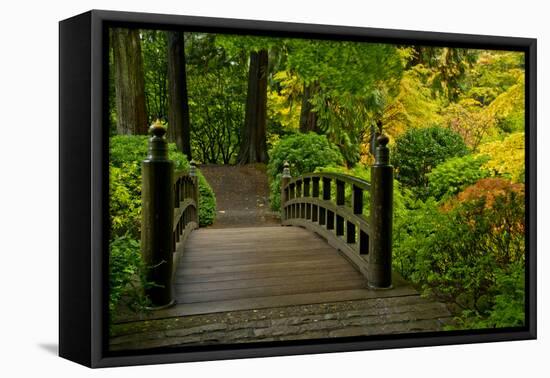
(381, 217)
(285, 179)
(157, 201)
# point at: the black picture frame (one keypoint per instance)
(83, 196)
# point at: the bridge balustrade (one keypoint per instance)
(332, 205)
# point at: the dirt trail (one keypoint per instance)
(242, 195)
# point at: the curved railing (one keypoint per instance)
(186, 215)
(332, 205)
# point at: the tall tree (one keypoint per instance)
(179, 129)
(129, 82)
(448, 65)
(254, 132)
(356, 82)
(308, 116)
(154, 46)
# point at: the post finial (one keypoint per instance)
(286, 170)
(192, 168)
(157, 129)
(383, 140)
(158, 147)
(382, 155)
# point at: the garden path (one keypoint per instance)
(242, 195)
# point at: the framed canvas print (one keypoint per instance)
(234, 188)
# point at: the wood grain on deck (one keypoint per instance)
(263, 267)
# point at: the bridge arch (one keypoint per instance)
(170, 213)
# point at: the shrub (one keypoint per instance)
(305, 153)
(127, 152)
(207, 202)
(401, 196)
(418, 151)
(506, 157)
(126, 274)
(133, 148)
(464, 251)
(125, 200)
(126, 269)
(508, 309)
(489, 190)
(453, 175)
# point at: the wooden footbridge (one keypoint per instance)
(329, 253)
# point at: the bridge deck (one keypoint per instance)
(258, 267)
(237, 277)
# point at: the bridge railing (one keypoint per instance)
(169, 213)
(331, 205)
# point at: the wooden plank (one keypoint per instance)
(257, 254)
(240, 230)
(266, 281)
(257, 258)
(246, 241)
(188, 278)
(214, 269)
(252, 292)
(250, 232)
(263, 248)
(256, 233)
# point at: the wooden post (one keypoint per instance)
(195, 189)
(157, 199)
(381, 217)
(315, 193)
(285, 179)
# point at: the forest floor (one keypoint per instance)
(242, 195)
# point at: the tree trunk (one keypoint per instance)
(254, 132)
(308, 118)
(129, 82)
(179, 130)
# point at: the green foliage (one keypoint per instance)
(128, 152)
(401, 196)
(331, 62)
(207, 202)
(217, 97)
(457, 234)
(125, 200)
(508, 308)
(414, 106)
(305, 153)
(506, 157)
(493, 74)
(284, 103)
(471, 121)
(418, 151)
(509, 108)
(357, 81)
(126, 275)
(463, 252)
(133, 149)
(126, 269)
(450, 67)
(235, 45)
(155, 70)
(454, 174)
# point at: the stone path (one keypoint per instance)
(406, 314)
(242, 195)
